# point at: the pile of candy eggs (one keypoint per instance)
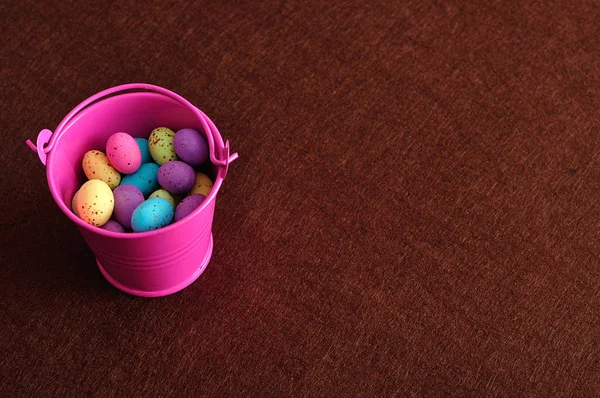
(143, 184)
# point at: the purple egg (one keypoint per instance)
(127, 198)
(113, 226)
(188, 205)
(191, 147)
(176, 177)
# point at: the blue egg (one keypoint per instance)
(145, 178)
(152, 214)
(143, 144)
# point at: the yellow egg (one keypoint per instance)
(95, 202)
(74, 204)
(160, 144)
(163, 194)
(97, 167)
(203, 184)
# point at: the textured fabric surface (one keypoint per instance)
(414, 212)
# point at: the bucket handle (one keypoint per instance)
(46, 139)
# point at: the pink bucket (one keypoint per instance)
(148, 264)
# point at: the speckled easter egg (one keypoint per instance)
(191, 146)
(113, 226)
(176, 177)
(160, 144)
(143, 145)
(97, 167)
(202, 185)
(144, 178)
(152, 214)
(95, 202)
(74, 204)
(161, 193)
(123, 153)
(188, 205)
(127, 198)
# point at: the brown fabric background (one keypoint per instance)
(415, 210)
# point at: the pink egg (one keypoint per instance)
(123, 153)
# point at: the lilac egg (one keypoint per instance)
(176, 177)
(191, 147)
(127, 198)
(113, 226)
(188, 205)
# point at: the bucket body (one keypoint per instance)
(148, 264)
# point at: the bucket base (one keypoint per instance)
(166, 292)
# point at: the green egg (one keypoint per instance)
(160, 144)
(161, 193)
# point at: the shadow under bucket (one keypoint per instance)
(148, 264)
